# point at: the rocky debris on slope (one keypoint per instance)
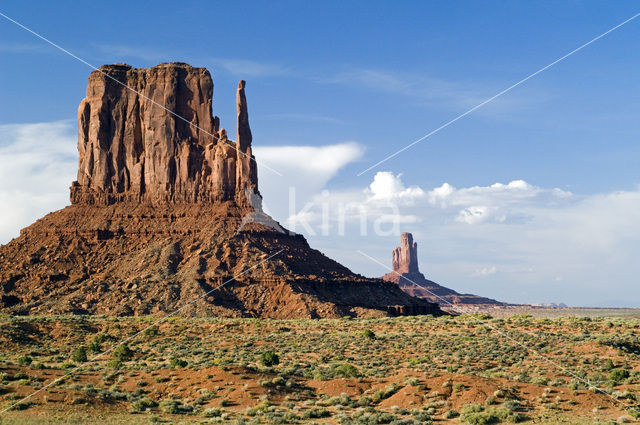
(166, 210)
(407, 276)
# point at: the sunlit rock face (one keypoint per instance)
(148, 135)
(405, 256)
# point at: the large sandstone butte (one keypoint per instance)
(407, 276)
(165, 209)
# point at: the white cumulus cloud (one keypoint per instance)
(37, 165)
(305, 171)
(387, 186)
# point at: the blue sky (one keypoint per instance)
(380, 75)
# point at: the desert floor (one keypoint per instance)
(473, 369)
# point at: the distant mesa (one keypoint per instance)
(166, 208)
(407, 276)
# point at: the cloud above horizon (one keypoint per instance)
(305, 172)
(38, 165)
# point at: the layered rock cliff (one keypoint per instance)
(166, 210)
(148, 135)
(406, 274)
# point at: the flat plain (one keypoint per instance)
(474, 369)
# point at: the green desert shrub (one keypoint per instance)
(175, 362)
(143, 404)
(269, 358)
(449, 414)
(344, 370)
(95, 346)
(23, 405)
(123, 353)
(387, 392)
(79, 355)
(316, 413)
(368, 333)
(170, 406)
(212, 412)
(618, 375)
(24, 360)
(475, 414)
(114, 364)
(153, 331)
(175, 407)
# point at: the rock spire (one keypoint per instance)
(405, 256)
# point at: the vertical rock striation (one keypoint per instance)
(148, 135)
(405, 256)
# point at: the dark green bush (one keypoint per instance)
(344, 370)
(123, 353)
(170, 406)
(316, 413)
(24, 360)
(114, 364)
(153, 331)
(95, 346)
(618, 375)
(449, 414)
(178, 362)
(79, 355)
(143, 404)
(269, 358)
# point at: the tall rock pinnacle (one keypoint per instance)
(148, 135)
(246, 170)
(244, 131)
(405, 256)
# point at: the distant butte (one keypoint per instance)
(407, 276)
(166, 208)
